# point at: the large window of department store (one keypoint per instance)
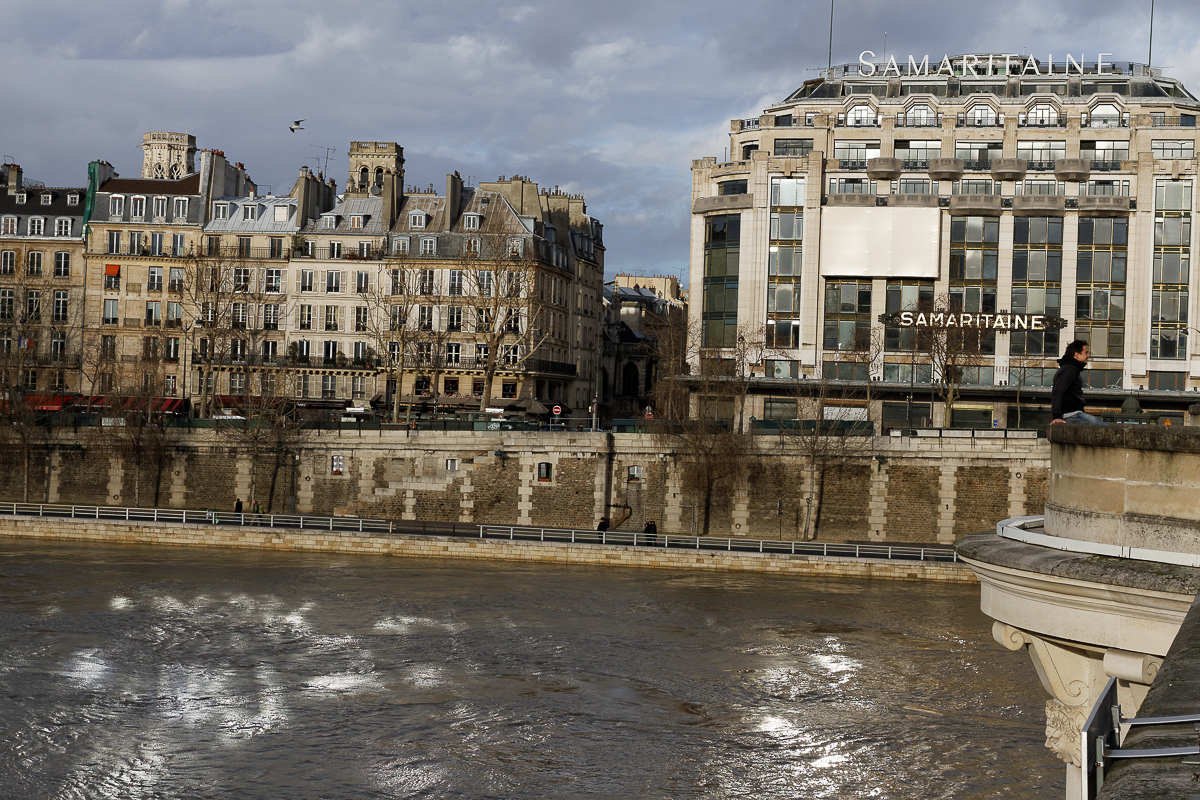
(784, 261)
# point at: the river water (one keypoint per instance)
(132, 672)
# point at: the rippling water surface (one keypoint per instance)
(167, 673)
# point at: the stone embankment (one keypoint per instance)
(930, 488)
(417, 546)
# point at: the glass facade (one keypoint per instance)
(784, 263)
(722, 252)
(1037, 281)
(1172, 269)
(1100, 284)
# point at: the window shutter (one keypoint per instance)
(321, 278)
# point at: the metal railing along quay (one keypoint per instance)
(472, 531)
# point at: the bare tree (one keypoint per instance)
(133, 423)
(40, 337)
(832, 432)
(391, 302)
(953, 351)
(500, 280)
(697, 419)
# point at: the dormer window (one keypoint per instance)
(72, 199)
(137, 207)
(47, 198)
(116, 205)
(20, 198)
(8, 226)
(181, 208)
(37, 226)
(416, 220)
(356, 221)
(471, 222)
(220, 211)
(249, 212)
(329, 221)
(281, 213)
(160, 207)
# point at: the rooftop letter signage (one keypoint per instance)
(976, 65)
(1002, 321)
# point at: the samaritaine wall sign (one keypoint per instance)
(961, 319)
(977, 65)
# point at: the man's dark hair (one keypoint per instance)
(1075, 348)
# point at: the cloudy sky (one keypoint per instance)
(610, 98)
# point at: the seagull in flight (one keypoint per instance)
(295, 126)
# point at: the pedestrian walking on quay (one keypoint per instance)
(1066, 398)
(237, 507)
(651, 531)
(603, 526)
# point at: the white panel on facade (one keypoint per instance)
(881, 242)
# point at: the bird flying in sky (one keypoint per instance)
(295, 126)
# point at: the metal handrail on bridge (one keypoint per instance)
(474, 531)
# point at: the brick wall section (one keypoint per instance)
(250, 537)
(212, 478)
(982, 499)
(566, 501)
(440, 505)
(78, 479)
(845, 503)
(1037, 487)
(495, 493)
(402, 475)
(912, 504)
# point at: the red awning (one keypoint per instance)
(112, 269)
(46, 402)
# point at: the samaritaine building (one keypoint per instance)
(1036, 201)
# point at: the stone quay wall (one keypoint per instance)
(907, 490)
(406, 545)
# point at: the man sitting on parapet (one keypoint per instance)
(1066, 399)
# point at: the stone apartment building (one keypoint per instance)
(407, 299)
(199, 288)
(145, 233)
(41, 289)
(1002, 187)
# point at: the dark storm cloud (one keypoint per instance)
(609, 99)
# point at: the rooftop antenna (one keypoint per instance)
(1150, 51)
(327, 150)
(830, 66)
(885, 45)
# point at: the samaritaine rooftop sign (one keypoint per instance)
(961, 319)
(978, 65)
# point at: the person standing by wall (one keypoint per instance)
(1066, 398)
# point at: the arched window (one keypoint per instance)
(921, 115)
(630, 380)
(1106, 115)
(861, 116)
(981, 115)
(1042, 114)
(364, 176)
(379, 176)
(158, 170)
(176, 172)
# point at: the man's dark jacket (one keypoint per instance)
(1067, 395)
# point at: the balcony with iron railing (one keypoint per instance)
(904, 121)
(1108, 121)
(1041, 122)
(966, 122)
(147, 252)
(344, 254)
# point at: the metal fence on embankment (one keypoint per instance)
(383, 527)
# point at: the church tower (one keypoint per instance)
(168, 155)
